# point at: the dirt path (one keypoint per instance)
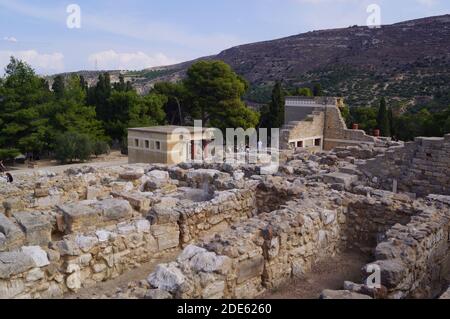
(328, 274)
(62, 168)
(109, 287)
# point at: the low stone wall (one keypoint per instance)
(257, 254)
(415, 258)
(80, 260)
(421, 167)
(371, 215)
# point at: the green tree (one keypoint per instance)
(177, 106)
(317, 90)
(276, 107)
(215, 96)
(100, 147)
(132, 110)
(23, 121)
(383, 122)
(73, 115)
(58, 86)
(304, 92)
(365, 117)
(70, 146)
(99, 95)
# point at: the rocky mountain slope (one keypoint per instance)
(408, 61)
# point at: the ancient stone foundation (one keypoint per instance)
(235, 233)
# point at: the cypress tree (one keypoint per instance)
(317, 90)
(383, 119)
(58, 86)
(276, 108)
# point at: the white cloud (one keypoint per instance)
(10, 39)
(42, 62)
(428, 3)
(112, 60)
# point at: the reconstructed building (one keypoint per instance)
(165, 144)
(316, 123)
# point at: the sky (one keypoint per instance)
(137, 34)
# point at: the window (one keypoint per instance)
(300, 144)
(318, 142)
(158, 145)
(147, 144)
(136, 142)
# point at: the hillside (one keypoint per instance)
(408, 61)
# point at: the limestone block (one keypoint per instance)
(115, 209)
(41, 192)
(11, 288)
(167, 277)
(37, 228)
(132, 175)
(34, 274)
(14, 237)
(13, 263)
(189, 252)
(86, 243)
(137, 200)
(342, 294)
(328, 216)
(104, 236)
(250, 268)
(166, 236)
(210, 262)
(143, 226)
(214, 290)
(79, 217)
(67, 248)
(159, 175)
(340, 178)
(93, 192)
(157, 294)
(38, 255)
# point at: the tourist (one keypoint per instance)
(2, 167)
(9, 178)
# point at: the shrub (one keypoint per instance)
(71, 145)
(100, 148)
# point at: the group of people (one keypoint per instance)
(5, 176)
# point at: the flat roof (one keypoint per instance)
(168, 129)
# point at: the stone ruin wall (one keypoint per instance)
(329, 125)
(251, 233)
(49, 253)
(311, 127)
(414, 258)
(421, 167)
(337, 134)
(258, 254)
